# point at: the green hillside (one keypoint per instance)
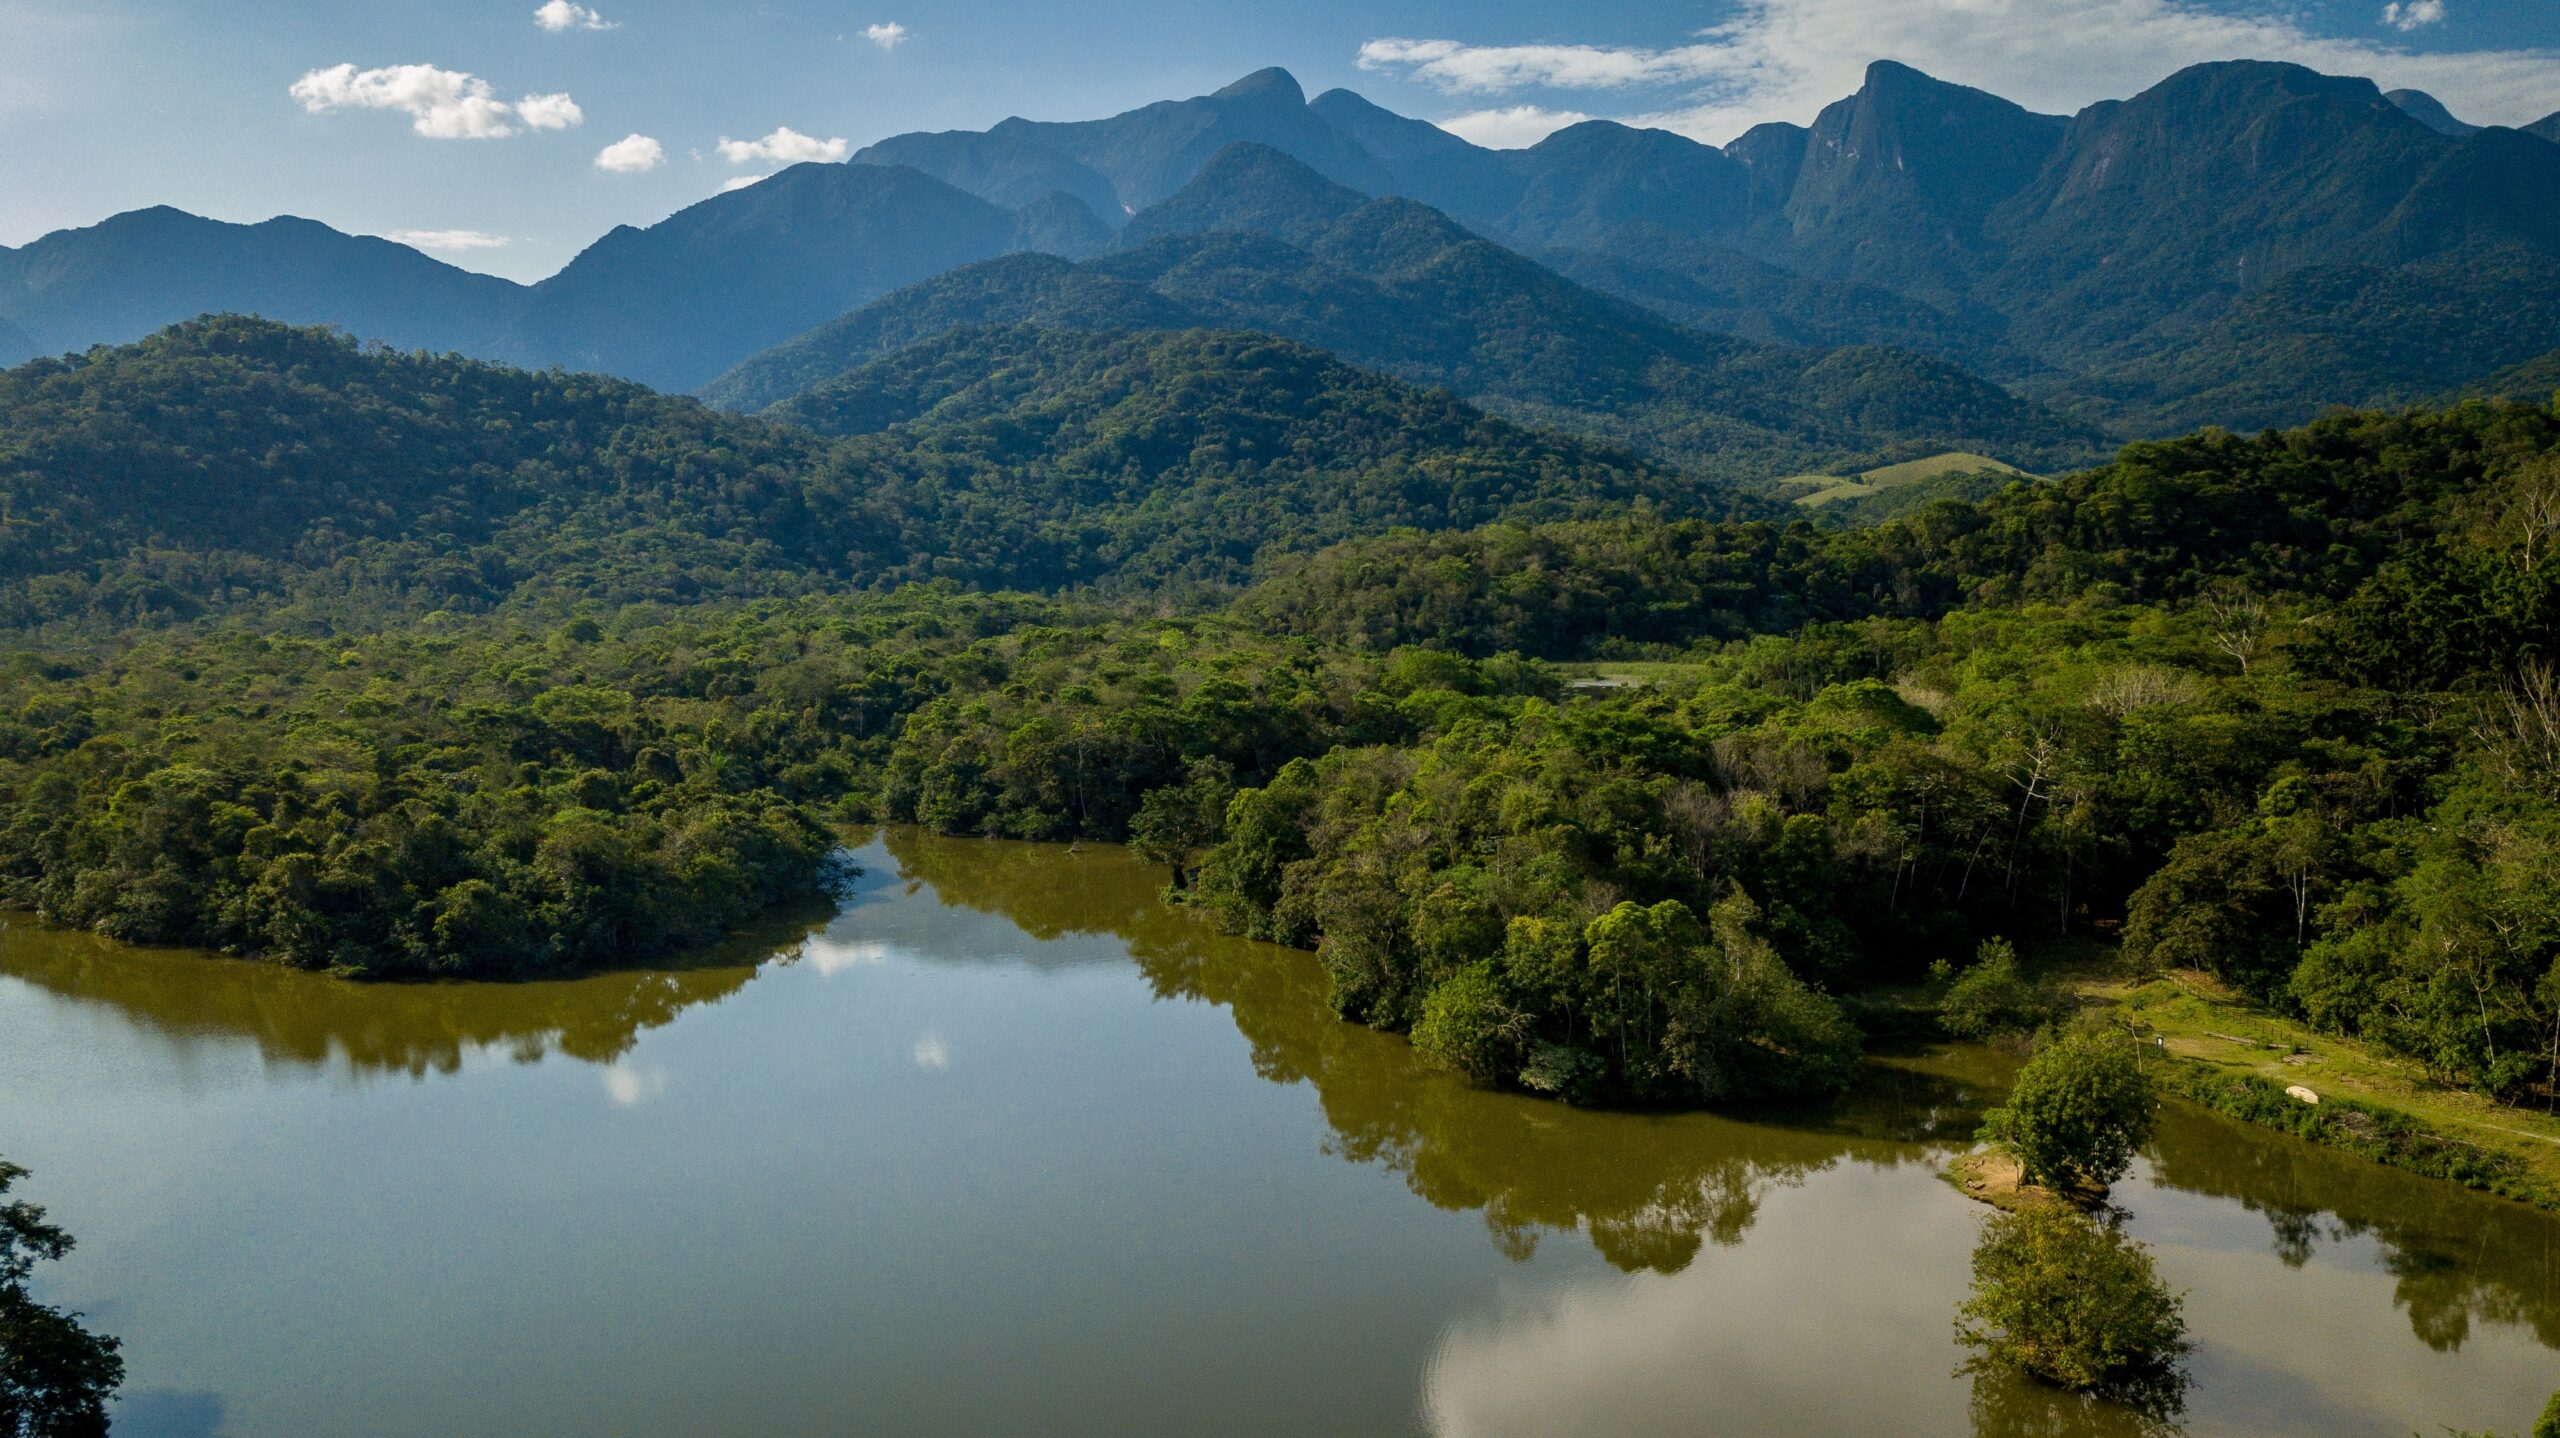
(232, 465)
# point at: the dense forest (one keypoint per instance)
(465, 670)
(230, 464)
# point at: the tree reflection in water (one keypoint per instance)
(2005, 1404)
(2457, 1258)
(1649, 1190)
(308, 1019)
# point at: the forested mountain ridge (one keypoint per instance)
(2218, 180)
(1396, 286)
(2138, 263)
(229, 464)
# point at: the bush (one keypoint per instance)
(1991, 998)
(2081, 1107)
(1468, 1025)
(2071, 1302)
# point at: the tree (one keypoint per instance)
(1991, 997)
(1469, 1025)
(1174, 825)
(2549, 1426)
(2072, 1302)
(55, 1376)
(2081, 1107)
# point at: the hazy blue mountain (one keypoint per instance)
(1060, 224)
(1396, 286)
(2548, 127)
(675, 304)
(1032, 289)
(2224, 177)
(1253, 189)
(16, 347)
(1426, 162)
(1149, 153)
(123, 278)
(1008, 170)
(1586, 181)
(1896, 182)
(1708, 286)
(2429, 111)
(2137, 258)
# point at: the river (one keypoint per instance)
(1004, 1147)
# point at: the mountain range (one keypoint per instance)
(2244, 243)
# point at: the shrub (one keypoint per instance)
(2081, 1107)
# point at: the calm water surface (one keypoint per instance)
(1005, 1148)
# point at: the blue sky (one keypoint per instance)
(242, 111)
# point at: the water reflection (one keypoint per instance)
(312, 1020)
(996, 1118)
(1648, 1189)
(2456, 1258)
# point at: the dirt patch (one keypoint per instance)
(1990, 1176)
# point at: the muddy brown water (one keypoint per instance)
(1005, 1147)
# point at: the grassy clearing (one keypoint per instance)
(2240, 1056)
(1627, 673)
(1813, 491)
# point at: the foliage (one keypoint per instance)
(2079, 1109)
(1396, 287)
(1990, 997)
(2369, 1131)
(500, 673)
(231, 466)
(55, 1376)
(2070, 1301)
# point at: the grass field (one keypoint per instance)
(1813, 491)
(2202, 1021)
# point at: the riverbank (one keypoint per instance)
(2239, 1058)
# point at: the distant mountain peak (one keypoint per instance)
(1249, 188)
(2429, 111)
(1269, 84)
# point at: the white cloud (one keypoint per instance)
(1510, 127)
(631, 155)
(932, 1053)
(628, 1086)
(785, 146)
(559, 15)
(2413, 14)
(550, 112)
(831, 957)
(741, 182)
(893, 34)
(449, 239)
(441, 104)
(1785, 59)
(1495, 68)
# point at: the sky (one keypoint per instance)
(506, 135)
